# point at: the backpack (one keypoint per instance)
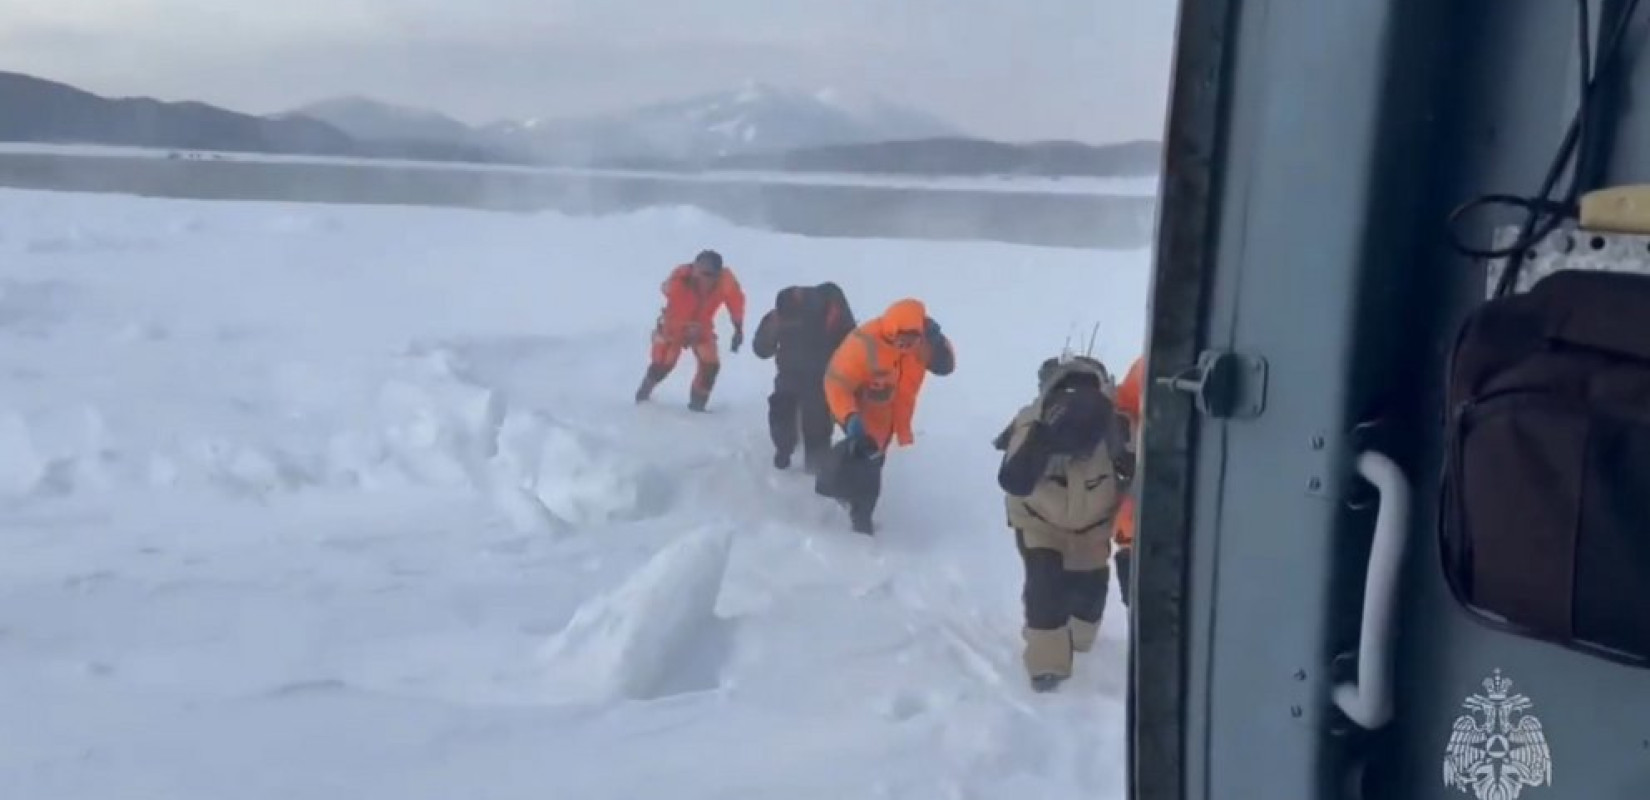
(1545, 514)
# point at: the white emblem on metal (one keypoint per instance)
(1496, 749)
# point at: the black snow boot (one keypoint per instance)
(813, 461)
(649, 380)
(703, 382)
(1046, 683)
(781, 460)
(862, 522)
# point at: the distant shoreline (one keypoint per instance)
(1145, 186)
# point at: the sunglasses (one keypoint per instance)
(904, 339)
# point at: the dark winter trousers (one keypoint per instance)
(792, 412)
(853, 479)
(1063, 607)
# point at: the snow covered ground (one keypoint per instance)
(352, 502)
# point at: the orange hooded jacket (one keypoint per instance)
(878, 371)
(1128, 404)
(691, 303)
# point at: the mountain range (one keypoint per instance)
(754, 118)
(35, 110)
(754, 126)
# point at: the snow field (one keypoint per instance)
(310, 501)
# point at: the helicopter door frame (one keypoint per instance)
(1159, 720)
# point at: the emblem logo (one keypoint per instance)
(1496, 749)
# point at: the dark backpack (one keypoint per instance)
(1545, 526)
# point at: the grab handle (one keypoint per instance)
(1368, 700)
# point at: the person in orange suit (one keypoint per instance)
(693, 294)
(1129, 408)
(871, 387)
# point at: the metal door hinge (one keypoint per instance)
(1224, 385)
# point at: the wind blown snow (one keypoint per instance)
(350, 502)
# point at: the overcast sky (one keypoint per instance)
(1088, 69)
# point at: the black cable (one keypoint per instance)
(1544, 213)
(1536, 226)
(1589, 68)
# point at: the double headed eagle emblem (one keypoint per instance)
(1496, 750)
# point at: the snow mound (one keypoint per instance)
(440, 434)
(655, 635)
(52, 451)
(424, 426)
(580, 477)
(440, 428)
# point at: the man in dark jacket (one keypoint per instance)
(800, 334)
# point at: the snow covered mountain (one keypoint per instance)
(754, 118)
(372, 120)
(38, 110)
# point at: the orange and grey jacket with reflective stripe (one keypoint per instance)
(873, 378)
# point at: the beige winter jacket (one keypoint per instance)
(1075, 495)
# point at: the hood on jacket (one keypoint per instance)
(788, 300)
(1057, 371)
(831, 290)
(1094, 417)
(904, 316)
